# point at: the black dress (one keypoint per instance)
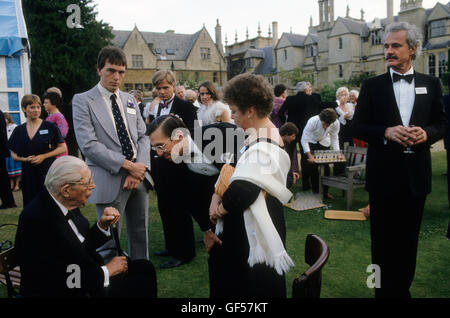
(45, 140)
(232, 276)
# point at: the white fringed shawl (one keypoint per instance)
(265, 165)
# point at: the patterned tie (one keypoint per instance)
(125, 142)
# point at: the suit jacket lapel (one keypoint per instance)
(419, 98)
(130, 118)
(98, 108)
(390, 97)
(61, 224)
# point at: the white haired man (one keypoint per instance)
(400, 114)
(56, 248)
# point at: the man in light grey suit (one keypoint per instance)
(111, 134)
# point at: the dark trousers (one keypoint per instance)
(448, 178)
(170, 185)
(139, 282)
(314, 169)
(395, 220)
(306, 170)
(5, 186)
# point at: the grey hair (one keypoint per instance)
(354, 92)
(137, 94)
(301, 86)
(64, 170)
(413, 35)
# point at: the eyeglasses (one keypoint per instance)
(161, 148)
(87, 184)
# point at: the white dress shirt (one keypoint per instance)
(106, 95)
(65, 210)
(314, 133)
(404, 95)
(164, 111)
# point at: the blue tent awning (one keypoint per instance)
(12, 27)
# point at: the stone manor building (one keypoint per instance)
(337, 49)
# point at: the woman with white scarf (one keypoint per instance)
(252, 260)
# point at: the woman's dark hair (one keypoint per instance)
(328, 116)
(168, 124)
(279, 89)
(54, 98)
(113, 55)
(288, 129)
(212, 89)
(247, 90)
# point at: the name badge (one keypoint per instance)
(131, 111)
(43, 132)
(421, 91)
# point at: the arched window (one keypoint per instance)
(432, 65)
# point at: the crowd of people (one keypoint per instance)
(223, 158)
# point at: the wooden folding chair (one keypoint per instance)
(10, 272)
(308, 285)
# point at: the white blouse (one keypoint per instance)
(208, 114)
(341, 113)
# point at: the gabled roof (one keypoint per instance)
(180, 44)
(444, 7)
(354, 27)
(296, 40)
(266, 65)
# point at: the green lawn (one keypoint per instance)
(345, 273)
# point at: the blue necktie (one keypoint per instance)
(127, 149)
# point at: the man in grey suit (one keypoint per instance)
(111, 134)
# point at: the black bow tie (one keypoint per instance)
(69, 215)
(396, 77)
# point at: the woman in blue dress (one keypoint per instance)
(35, 144)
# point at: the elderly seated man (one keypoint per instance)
(57, 250)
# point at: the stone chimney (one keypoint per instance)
(390, 10)
(274, 33)
(219, 37)
(274, 43)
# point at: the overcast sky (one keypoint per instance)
(189, 16)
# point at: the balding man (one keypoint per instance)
(56, 248)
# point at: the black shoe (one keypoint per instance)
(162, 253)
(173, 262)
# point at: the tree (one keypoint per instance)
(294, 76)
(328, 92)
(62, 55)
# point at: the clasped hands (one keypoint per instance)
(136, 174)
(406, 136)
(216, 209)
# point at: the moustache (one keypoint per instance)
(391, 57)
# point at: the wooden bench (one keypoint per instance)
(355, 173)
(10, 272)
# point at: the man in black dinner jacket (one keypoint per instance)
(176, 220)
(400, 114)
(56, 250)
(200, 154)
(299, 109)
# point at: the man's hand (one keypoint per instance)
(209, 239)
(110, 216)
(295, 176)
(421, 135)
(310, 158)
(136, 169)
(118, 265)
(401, 135)
(131, 183)
(217, 214)
(215, 202)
